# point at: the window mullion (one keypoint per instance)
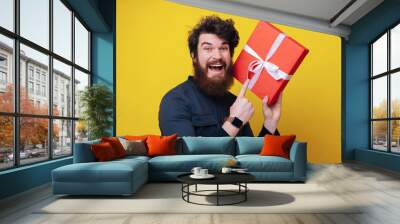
(50, 79)
(370, 99)
(16, 85)
(73, 82)
(389, 76)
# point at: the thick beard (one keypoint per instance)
(215, 88)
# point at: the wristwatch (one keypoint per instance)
(235, 122)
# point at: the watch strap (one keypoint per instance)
(235, 121)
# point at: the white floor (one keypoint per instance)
(378, 189)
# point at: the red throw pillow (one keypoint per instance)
(103, 152)
(161, 145)
(116, 145)
(277, 145)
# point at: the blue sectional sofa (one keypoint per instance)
(125, 176)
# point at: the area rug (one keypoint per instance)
(167, 198)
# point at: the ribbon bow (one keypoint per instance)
(259, 64)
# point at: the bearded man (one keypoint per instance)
(203, 105)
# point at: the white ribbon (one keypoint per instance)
(257, 65)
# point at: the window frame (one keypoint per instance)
(16, 114)
(3, 77)
(3, 69)
(388, 74)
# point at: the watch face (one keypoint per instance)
(237, 122)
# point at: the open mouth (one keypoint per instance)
(216, 67)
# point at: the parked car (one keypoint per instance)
(10, 156)
(57, 152)
(22, 155)
(36, 153)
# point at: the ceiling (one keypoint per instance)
(326, 16)
(96, 14)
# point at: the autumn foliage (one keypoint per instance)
(380, 127)
(33, 131)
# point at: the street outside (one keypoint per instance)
(383, 148)
(32, 156)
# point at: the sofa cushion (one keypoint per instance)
(185, 163)
(111, 171)
(208, 145)
(257, 163)
(249, 145)
(133, 158)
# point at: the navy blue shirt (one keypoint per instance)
(187, 111)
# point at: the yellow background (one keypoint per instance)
(152, 57)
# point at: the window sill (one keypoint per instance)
(378, 158)
(26, 167)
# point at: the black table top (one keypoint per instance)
(220, 178)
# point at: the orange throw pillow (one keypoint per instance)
(116, 145)
(103, 152)
(161, 145)
(277, 145)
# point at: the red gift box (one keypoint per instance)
(269, 60)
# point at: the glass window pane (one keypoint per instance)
(81, 131)
(81, 81)
(395, 94)
(379, 135)
(6, 74)
(33, 140)
(379, 97)
(395, 47)
(62, 138)
(379, 55)
(7, 14)
(62, 89)
(34, 78)
(395, 132)
(35, 21)
(6, 142)
(81, 45)
(62, 29)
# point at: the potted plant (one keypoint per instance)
(96, 102)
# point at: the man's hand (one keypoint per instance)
(272, 113)
(242, 108)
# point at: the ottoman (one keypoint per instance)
(118, 177)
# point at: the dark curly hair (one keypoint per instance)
(224, 29)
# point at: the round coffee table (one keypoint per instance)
(238, 179)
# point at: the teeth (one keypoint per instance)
(216, 67)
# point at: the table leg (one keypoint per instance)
(188, 190)
(217, 194)
(196, 188)
(245, 193)
(182, 189)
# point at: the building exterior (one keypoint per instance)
(34, 80)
